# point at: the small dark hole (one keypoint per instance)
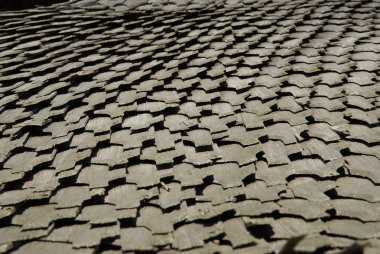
(249, 179)
(332, 194)
(127, 222)
(332, 212)
(264, 139)
(228, 215)
(261, 231)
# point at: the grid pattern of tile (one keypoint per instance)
(199, 126)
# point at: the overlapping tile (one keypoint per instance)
(195, 126)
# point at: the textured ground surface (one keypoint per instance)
(200, 127)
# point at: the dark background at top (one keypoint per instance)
(9, 5)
